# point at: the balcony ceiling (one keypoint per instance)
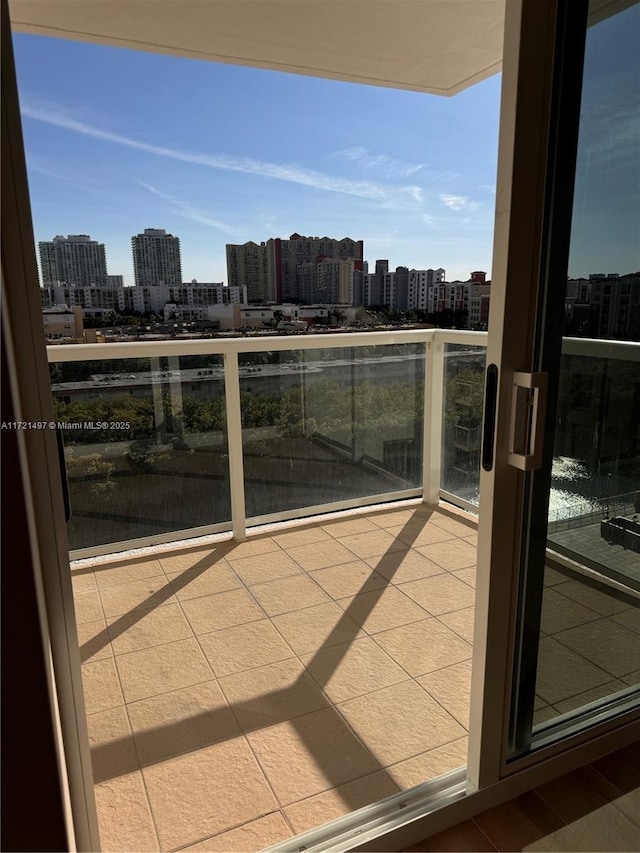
(434, 46)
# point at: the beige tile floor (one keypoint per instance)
(240, 693)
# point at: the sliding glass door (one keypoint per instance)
(557, 637)
(579, 618)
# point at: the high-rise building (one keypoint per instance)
(75, 260)
(373, 284)
(289, 254)
(156, 258)
(329, 280)
(270, 270)
(247, 267)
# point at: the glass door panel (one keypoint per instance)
(580, 630)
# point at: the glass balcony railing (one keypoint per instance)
(463, 398)
(145, 444)
(177, 439)
(170, 440)
(330, 425)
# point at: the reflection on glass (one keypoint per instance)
(596, 470)
(330, 425)
(591, 607)
(144, 445)
(463, 396)
(590, 648)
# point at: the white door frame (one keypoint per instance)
(541, 89)
(520, 206)
(23, 332)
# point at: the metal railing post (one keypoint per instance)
(158, 403)
(234, 445)
(432, 439)
(175, 397)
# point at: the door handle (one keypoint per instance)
(489, 424)
(63, 476)
(528, 407)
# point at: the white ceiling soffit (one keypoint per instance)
(434, 46)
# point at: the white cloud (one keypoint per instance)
(392, 167)
(459, 202)
(189, 212)
(246, 165)
(389, 166)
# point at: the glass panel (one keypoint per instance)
(463, 397)
(591, 612)
(596, 470)
(590, 650)
(144, 445)
(328, 425)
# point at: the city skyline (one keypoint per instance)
(150, 236)
(226, 154)
(121, 140)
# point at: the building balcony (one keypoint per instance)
(252, 691)
(274, 587)
(238, 694)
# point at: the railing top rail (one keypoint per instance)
(263, 343)
(461, 336)
(219, 346)
(624, 350)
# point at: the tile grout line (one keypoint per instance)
(244, 736)
(457, 633)
(142, 777)
(444, 708)
(622, 792)
(580, 583)
(484, 834)
(581, 655)
(224, 831)
(431, 671)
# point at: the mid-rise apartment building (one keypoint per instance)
(604, 306)
(419, 283)
(94, 301)
(152, 300)
(146, 300)
(156, 258)
(75, 260)
(63, 324)
(447, 296)
(477, 306)
(403, 289)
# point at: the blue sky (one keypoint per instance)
(118, 141)
(605, 235)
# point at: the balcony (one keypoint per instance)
(290, 638)
(251, 691)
